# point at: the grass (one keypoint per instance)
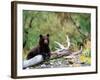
(58, 25)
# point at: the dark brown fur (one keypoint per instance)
(42, 49)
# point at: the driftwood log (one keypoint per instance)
(61, 51)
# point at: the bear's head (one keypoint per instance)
(44, 40)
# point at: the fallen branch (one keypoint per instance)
(60, 52)
(33, 61)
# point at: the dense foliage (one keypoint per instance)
(58, 24)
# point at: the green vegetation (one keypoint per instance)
(58, 25)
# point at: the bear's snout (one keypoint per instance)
(45, 41)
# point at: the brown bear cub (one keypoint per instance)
(42, 49)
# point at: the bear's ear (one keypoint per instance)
(48, 35)
(41, 36)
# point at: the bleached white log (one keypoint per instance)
(65, 50)
(33, 61)
(70, 57)
(68, 42)
(60, 45)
